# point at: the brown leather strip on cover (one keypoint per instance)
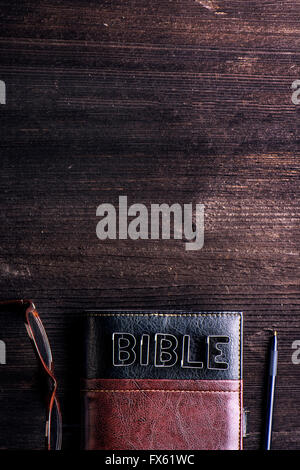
(162, 414)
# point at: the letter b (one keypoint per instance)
(165, 346)
(123, 349)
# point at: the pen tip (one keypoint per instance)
(275, 333)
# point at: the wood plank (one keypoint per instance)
(182, 101)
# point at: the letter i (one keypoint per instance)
(144, 352)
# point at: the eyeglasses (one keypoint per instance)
(38, 336)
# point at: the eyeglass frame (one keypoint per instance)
(31, 309)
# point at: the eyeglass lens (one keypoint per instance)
(40, 338)
(55, 427)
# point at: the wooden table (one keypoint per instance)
(183, 101)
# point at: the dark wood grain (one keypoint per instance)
(163, 101)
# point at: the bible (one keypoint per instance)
(156, 380)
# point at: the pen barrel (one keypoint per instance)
(269, 415)
(273, 358)
(273, 363)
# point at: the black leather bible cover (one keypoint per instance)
(162, 380)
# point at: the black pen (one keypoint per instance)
(271, 390)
